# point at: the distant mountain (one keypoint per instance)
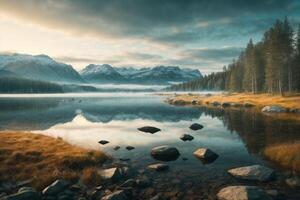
(101, 74)
(157, 75)
(40, 67)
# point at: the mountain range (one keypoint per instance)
(43, 68)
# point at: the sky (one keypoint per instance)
(198, 34)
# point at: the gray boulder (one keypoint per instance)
(56, 187)
(206, 155)
(274, 109)
(253, 172)
(242, 193)
(158, 167)
(186, 137)
(165, 153)
(117, 195)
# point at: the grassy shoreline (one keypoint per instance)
(42, 159)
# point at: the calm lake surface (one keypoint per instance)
(240, 137)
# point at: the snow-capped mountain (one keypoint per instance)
(101, 74)
(40, 67)
(157, 75)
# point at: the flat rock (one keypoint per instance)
(206, 155)
(129, 148)
(103, 142)
(149, 129)
(196, 127)
(293, 182)
(117, 195)
(253, 172)
(242, 193)
(165, 153)
(112, 174)
(56, 187)
(186, 137)
(274, 109)
(158, 167)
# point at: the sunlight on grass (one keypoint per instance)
(44, 159)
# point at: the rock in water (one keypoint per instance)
(111, 174)
(274, 109)
(117, 148)
(186, 137)
(242, 193)
(117, 195)
(293, 182)
(196, 126)
(24, 193)
(103, 142)
(56, 187)
(248, 105)
(206, 155)
(165, 153)
(158, 167)
(149, 129)
(253, 172)
(129, 148)
(226, 104)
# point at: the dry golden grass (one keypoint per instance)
(259, 100)
(286, 155)
(44, 159)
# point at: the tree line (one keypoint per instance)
(271, 65)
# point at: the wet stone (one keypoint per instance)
(103, 142)
(196, 126)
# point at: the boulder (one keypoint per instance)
(24, 193)
(293, 182)
(56, 187)
(165, 153)
(186, 137)
(117, 148)
(196, 126)
(248, 105)
(274, 109)
(129, 148)
(242, 193)
(206, 155)
(149, 129)
(194, 102)
(253, 172)
(111, 174)
(117, 195)
(226, 104)
(158, 167)
(103, 142)
(216, 103)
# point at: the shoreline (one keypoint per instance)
(289, 104)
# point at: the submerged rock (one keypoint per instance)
(129, 148)
(293, 182)
(242, 193)
(103, 142)
(274, 109)
(206, 155)
(56, 187)
(117, 195)
(196, 126)
(24, 193)
(186, 137)
(165, 153)
(149, 129)
(158, 167)
(253, 172)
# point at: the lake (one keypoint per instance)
(239, 137)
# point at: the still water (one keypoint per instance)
(240, 137)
